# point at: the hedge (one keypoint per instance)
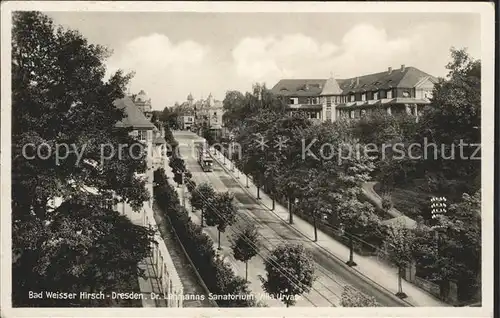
(217, 275)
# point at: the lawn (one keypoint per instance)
(409, 198)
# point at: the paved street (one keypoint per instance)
(332, 273)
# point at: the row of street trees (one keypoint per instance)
(289, 268)
(59, 96)
(286, 154)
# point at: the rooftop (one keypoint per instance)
(400, 77)
(134, 117)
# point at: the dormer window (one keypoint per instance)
(294, 100)
(375, 95)
(406, 94)
(363, 97)
(389, 93)
(352, 97)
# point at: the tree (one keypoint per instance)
(71, 252)
(352, 297)
(233, 104)
(357, 219)
(60, 97)
(245, 245)
(178, 168)
(239, 286)
(208, 135)
(451, 250)
(201, 198)
(400, 245)
(454, 118)
(170, 117)
(316, 197)
(221, 212)
(290, 272)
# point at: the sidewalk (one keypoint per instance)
(150, 283)
(376, 270)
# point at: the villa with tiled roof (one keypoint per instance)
(406, 89)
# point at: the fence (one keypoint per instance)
(171, 285)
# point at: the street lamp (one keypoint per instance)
(438, 207)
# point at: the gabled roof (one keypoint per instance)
(299, 87)
(407, 78)
(331, 88)
(134, 117)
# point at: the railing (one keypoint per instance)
(171, 286)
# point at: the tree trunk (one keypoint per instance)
(218, 247)
(274, 205)
(400, 292)
(258, 193)
(400, 282)
(351, 252)
(351, 262)
(247, 181)
(290, 211)
(202, 215)
(246, 271)
(315, 228)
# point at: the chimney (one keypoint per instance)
(390, 70)
(357, 81)
(402, 67)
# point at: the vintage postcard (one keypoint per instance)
(247, 159)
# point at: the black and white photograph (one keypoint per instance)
(203, 157)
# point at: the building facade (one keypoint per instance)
(187, 121)
(403, 90)
(143, 102)
(153, 139)
(206, 113)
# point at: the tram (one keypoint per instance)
(204, 159)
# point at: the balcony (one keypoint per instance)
(305, 106)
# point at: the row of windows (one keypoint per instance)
(340, 99)
(419, 93)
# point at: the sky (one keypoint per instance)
(177, 53)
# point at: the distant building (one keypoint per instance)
(143, 102)
(406, 89)
(187, 122)
(206, 113)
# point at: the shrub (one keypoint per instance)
(387, 202)
(352, 297)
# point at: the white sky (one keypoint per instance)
(174, 54)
